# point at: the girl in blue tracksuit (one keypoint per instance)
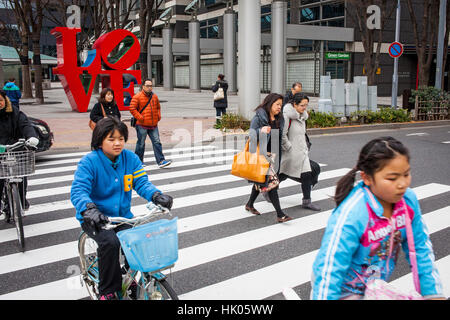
(102, 186)
(359, 231)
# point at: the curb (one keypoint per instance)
(362, 127)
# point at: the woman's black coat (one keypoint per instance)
(261, 119)
(222, 103)
(111, 109)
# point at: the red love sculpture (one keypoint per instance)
(78, 82)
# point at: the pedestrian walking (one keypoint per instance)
(106, 106)
(372, 220)
(14, 125)
(296, 163)
(146, 109)
(13, 92)
(297, 87)
(102, 187)
(220, 97)
(265, 130)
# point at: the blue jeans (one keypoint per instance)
(156, 143)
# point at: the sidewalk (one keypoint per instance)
(187, 118)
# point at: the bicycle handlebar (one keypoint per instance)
(18, 144)
(153, 211)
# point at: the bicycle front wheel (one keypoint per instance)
(17, 213)
(155, 288)
(87, 249)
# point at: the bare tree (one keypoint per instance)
(148, 14)
(21, 11)
(425, 37)
(357, 11)
(35, 18)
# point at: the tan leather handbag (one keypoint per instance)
(250, 166)
(92, 123)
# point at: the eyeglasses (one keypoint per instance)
(148, 85)
(303, 105)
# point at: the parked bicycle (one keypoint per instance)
(150, 247)
(14, 166)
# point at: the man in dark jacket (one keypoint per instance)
(13, 92)
(296, 88)
(220, 104)
(14, 125)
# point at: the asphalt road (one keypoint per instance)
(223, 249)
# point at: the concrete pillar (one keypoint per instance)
(167, 35)
(194, 56)
(278, 49)
(229, 50)
(249, 47)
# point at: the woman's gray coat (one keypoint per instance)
(295, 158)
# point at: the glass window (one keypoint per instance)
(333, 10)
(303, 2)
(335, 46)
(213, 32)
(310, 14)
(210, 2)
(336, 23)
(266, 22)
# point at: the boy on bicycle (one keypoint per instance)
(102, 186)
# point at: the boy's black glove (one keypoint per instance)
(163, 200)
(93, 217)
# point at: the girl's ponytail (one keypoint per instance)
(344, 186)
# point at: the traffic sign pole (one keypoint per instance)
(395, 74)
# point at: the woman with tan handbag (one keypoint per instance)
(265, 130)
(106, 106)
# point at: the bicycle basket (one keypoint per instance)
(16, 164)
(152, 246)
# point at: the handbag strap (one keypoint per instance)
(411, 248)
(142, 110)
(103, 110)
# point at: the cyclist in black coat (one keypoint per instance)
(14, 125)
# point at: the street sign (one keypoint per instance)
(337, 55)
(395, 49)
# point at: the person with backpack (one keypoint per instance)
(13, 92)
(373, 220)
(295, 163)
(146, 109)
(220, 97)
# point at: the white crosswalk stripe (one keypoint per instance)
(214, 230)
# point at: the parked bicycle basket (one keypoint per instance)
(16, 164)
(151, 246)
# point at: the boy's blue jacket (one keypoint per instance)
(357, 239)
(109, 185)
(13, 92)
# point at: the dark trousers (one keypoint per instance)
(305, 179)
(22, 189)
(273, 196)
(108, 252)
(219, 113)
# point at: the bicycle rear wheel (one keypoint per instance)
(87, 249)
(17, 212)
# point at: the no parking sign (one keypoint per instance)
(395, 49)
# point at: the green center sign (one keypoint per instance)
(337, 55)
